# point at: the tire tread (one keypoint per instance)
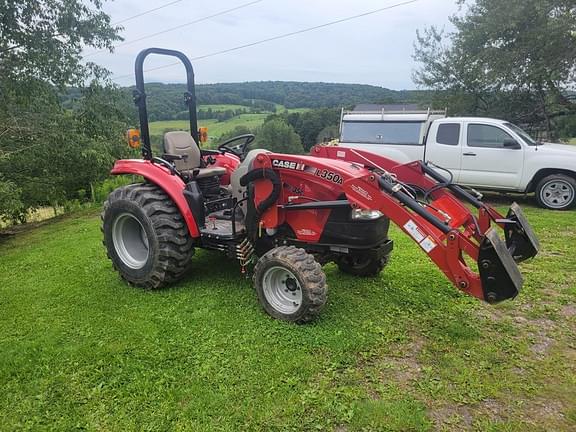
(310, 273)
(176, 246)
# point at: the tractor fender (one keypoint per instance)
(169, 183)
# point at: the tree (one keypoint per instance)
(47, 153)
(514, 59)
(10, 202)
(309, 124)
(237, 131)
(278, 136)
(43, 39)
(328, 133)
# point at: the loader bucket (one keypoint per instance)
(499, 273)
(520, 238)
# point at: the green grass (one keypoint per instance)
(158, 127)
(79, 349)
(222, 107)
(281, 108)
(298, 110)
(251, 121)
(572, 141)
(215, 128)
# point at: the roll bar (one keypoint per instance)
(139, 96)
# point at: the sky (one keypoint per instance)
(375, 49)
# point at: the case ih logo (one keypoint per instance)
(277, 163)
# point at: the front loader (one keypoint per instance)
(291, 214)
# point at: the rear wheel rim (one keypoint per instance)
(282, 290)
(557, 194)
(130, 241)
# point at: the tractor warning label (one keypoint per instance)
(426, 243)
(415, 232)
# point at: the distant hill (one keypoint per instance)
(293, 94)
(165, 100)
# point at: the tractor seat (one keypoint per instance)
(181, 143)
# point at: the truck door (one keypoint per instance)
(491, 157)
(443, 147)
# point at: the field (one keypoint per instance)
(79, 349)
(221, 107)
(215, 128)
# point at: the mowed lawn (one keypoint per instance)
(79, 349)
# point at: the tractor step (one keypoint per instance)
(218, 235)
(220, 229)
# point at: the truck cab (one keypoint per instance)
(482, 153)
(479, 152)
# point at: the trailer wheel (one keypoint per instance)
(362, 266)
(145, 236)
(556, 192)
(290, 284)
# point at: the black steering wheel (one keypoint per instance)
(240, 149)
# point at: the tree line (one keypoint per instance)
(166, 100)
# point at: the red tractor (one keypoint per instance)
(291, 214)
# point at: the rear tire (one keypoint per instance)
(362, 266)
(145, 236)
(290, 284)
(556, 192)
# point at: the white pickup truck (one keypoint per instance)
(482, 153)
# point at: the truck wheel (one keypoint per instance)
(290, 284)
(362, 266)
(145, 236)
(556, 192)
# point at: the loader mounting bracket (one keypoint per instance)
(500, 276)
(520, 237)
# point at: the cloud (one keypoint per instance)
(375, 49)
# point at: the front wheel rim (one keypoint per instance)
(282, 290)
(557, 194)
(130, 241)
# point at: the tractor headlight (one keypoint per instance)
(365, 215)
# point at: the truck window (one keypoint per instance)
(480, 135)
(448, 134)
(523, 134)
(403, 133)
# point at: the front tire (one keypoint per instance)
(145, 236)
(556, 192)
(290, 284)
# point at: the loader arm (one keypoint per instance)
(443, 227)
